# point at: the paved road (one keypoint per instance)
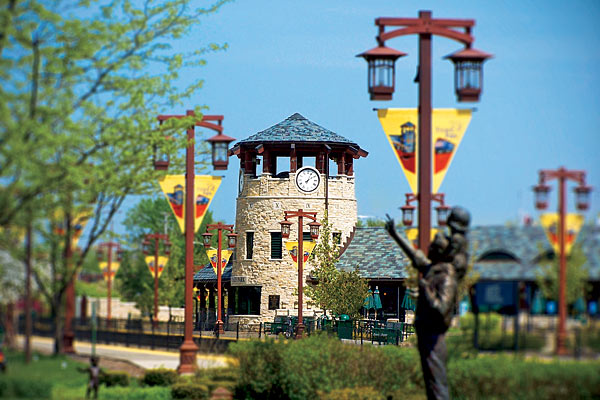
(144, 358)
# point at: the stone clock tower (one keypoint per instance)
(285, 168)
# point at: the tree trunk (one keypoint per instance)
(58, 324)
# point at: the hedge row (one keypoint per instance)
(322, 367)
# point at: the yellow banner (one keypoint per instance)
(212, 256)
(401, 129)
(412, 234)
(573, 223)
(292, 249)
(78, 222)
(162, 263)
(114, 266)
(105, 274)
(205, 187)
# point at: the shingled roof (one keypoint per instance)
(296, 128)
(378, 256)
(207, 274)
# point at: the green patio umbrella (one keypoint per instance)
(538, 303)
(376, 301)
(579, 306)
(408, 303)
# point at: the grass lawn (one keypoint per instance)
(66, 382)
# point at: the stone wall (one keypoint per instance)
(260, 208)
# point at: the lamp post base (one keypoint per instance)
(187, 358)
(219, 327)
(299, 331)
(68, 338)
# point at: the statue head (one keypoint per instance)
(459, 219)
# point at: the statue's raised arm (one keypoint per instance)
(418, 259)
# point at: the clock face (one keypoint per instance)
(241, 181)
(308, 179)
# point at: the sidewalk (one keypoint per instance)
(144, 358)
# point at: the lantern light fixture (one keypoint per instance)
(408, 214)
(582, 197)
(442, 214)
(381, 72)
(314, 229)
(468, 73)
(146, 246)
(168, 248)
(206, 239)
(220, 146)
(232, 240)
(120, 253)
(285, 229)
(541, 196)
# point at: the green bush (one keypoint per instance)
(146, 393)
(358, 393)
(114, 378)
(229, 374)
(319, 366)
(25, 388)
(299, 369)
(505, 377)
(261, 364)
(190, 390)
(159, 377)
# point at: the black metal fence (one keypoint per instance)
(169, 335)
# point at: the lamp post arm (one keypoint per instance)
(464, 38)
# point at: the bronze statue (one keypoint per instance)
(439, 274)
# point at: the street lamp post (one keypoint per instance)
(582, 203)
(231, 242)
(468, 84)
(188, 349)
(107, 247)
(314, 233)
(157, 237)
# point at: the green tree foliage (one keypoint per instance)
(342, 292)
(154, 215)
(577, 275)
(82, 83)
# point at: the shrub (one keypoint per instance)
(146, 393)
(190, 390)
(505, 377)
(230, 374)
(25, 388)
(358, 393)
(159, 377)
(323, 367)
(114, 378)
(260, 362)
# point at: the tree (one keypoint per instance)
(577, 275)
(342, 292)
(82, 83)
(151, 215)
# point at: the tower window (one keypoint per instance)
(276, 246)
(249, 245)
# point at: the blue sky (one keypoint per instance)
(539, 107)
